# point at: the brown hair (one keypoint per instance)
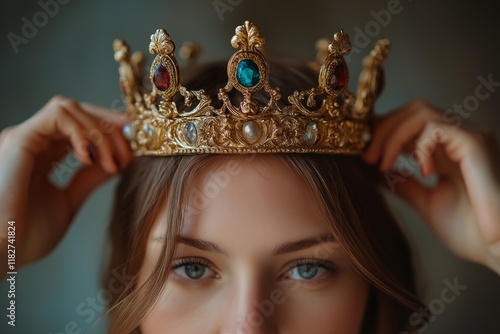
(346, 189)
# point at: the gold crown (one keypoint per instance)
(339, 124)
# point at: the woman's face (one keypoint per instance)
(255, 257)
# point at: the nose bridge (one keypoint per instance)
(251, 309)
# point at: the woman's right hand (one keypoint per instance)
(30, 151)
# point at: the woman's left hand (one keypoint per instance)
(463, 208)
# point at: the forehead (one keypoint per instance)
(248, 205)
(255, 200)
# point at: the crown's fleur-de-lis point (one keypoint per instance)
(161, 43)
(340, 44)
(326, 119)
(247, 37)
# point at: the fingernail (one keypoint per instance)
(92, 154)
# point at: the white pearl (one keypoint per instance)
(251, 130)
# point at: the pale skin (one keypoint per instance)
(249, 285)
(463, 209)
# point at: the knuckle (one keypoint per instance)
(6, 132)
(52, 105)
(73, 104)
(62, 102)
(56, 106)
(61, 111)
(57, 99)
(431, 124)
(432, 129)
(419, 103)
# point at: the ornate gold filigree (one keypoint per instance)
(247, 37)
(340, 44)
(371, 79)
(323, 119)
(161, 43)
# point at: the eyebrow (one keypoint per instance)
(287, 247)
(294, 246)
(202, 245)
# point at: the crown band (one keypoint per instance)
(340, 124)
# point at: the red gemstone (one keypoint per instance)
(161, 78)
(339, 77)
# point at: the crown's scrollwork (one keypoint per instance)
(339, 124)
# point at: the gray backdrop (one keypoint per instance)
(440, 49)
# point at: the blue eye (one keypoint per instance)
(305, 271)
(309, 269)
(192, 269)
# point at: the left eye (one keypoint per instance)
(306, 271)
(309, 270)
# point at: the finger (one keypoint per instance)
(458, 144)
(111, 124)
(426, 144)
(4, 132)
(86, 180)
(385, 127)
(102, 143)
(415, 193)
(121, 145)
(470, 152)
(120, 118)
(406, 132)
(54, 124)
(53, 158)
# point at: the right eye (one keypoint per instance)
(193, 268)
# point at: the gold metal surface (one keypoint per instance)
(339, 124)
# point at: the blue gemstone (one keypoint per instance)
(248, 73)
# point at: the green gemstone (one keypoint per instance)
(247, 73)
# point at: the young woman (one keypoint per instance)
(257, 243)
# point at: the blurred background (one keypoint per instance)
(440, 52)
